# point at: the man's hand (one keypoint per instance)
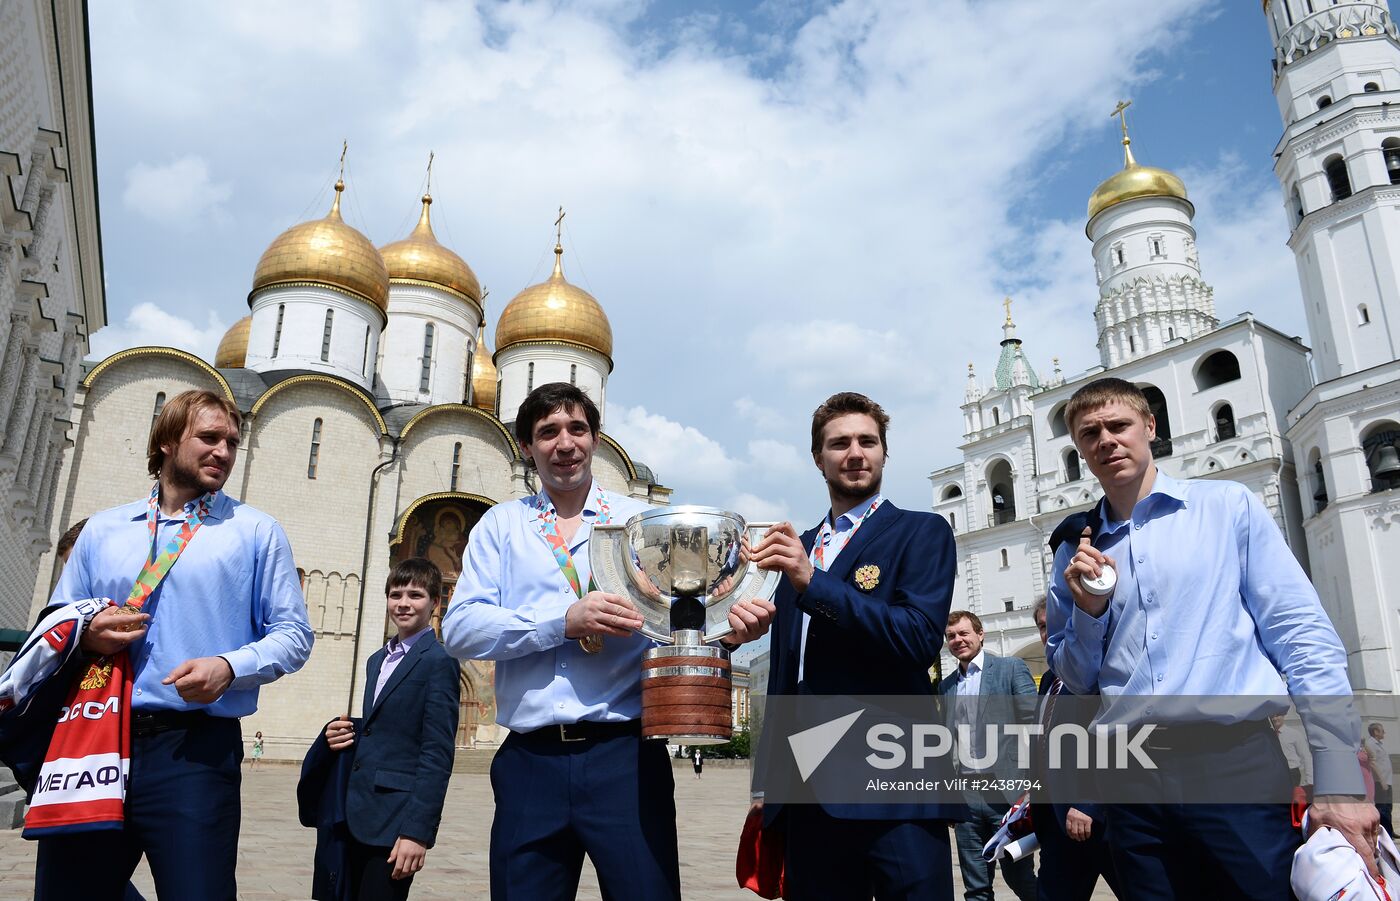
(750, 619)
(202, 680)
(600, 613)
(781, 550)
(107, 633)
(407, 856)
(756, 806)
(340, 733)
(1078, 824)
(1088, 562)
(1356, 819)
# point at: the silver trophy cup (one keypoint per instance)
(682, 569)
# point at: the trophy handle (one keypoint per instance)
(755, 584)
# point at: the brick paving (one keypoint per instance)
(275, 852)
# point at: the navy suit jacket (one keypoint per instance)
(880, 641)
(404, 746)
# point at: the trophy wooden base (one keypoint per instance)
(686, 695)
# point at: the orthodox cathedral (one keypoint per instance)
(1313, 431)
(377, 427)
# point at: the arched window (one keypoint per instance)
(952, 520)
(1005, 560)
(425, 376)
(1216, 369)
(573, 373)
(530, 378)
(1381, 446)
(1072, 470)
(1324, 101)
(1157, 405)
(364, 367)
(1058, 427)
(1155, 245)
(467, 380)
(952, 491)
(1132, 344)
(456, 465)
(1337, 178)
(1171, 333)
(277, 333)
(326, 337)
(996, 416)
(160, 405)
(1296, 205)
(1118, 258)
(1224, 422)
(1363, 315)
(1370, 87)
(1391, 148)
(315, 458)
(1319, 484)
(1001, 486)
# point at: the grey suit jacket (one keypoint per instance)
(1006, 694)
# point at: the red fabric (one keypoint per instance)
(759, 865)
(82, 784)
(1299, 806)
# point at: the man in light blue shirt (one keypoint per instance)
(227, 618)
(1209, 602)
(574, 776)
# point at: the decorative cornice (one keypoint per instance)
(137, 352)
(1336, 23)
(304, 283)
(423, 283)
(1371, 196)
(320, 380)
(496, 357)
(470, 411)
(402, 523)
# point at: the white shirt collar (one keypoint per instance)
(975, 664)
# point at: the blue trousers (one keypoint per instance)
(830, 859)
(1171, 850)
(182, 813)
(1069, 870)
(612, 799)
(983, 822)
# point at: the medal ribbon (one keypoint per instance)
(828, 532)
(547, 521)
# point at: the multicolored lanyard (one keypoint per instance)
(547, 521)
(828, 532)
(157, 566)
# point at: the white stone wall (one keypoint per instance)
(355, 330)
(411, 308)
(553, 363)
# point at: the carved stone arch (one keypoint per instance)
(497, 429)
(336, 384)
(138, 353)
(1211, 465)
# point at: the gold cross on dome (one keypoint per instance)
(1121, 111)
(1007, 303)
(559, 227)
(429, 188)
(344, 148)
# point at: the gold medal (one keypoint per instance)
(591, 644)
(128, 611)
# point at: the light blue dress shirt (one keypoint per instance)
(233, 593)
(1209, 602)
(509, 606)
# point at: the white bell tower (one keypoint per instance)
(1337, 80)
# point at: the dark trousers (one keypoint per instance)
(612, 799)
(371, 874)
(829, 859)
(182, 813)
(1069, 870)
(1172, 850)
(1384, 798)
(983, 822)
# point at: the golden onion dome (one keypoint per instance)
(326, 252)
(233, 347)
(483, 374)
(555, 310)
(1134, 181)
(420, 258)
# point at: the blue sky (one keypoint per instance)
(772, 202)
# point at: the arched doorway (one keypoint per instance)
(436, 527)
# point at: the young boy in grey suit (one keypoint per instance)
(403, 744)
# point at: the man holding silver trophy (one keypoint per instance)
(575, 776)
(861, 610)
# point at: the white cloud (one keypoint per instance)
(175, 193)
(147, 323)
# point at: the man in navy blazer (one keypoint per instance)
(404, 743)
(1004, 693)
(860, 611)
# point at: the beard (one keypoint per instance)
(850, 493)
(191, 478)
